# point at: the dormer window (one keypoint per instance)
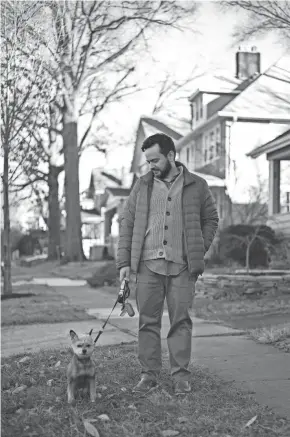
(187, 155)
(197, 110)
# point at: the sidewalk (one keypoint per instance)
(259, 369)
(31, 338)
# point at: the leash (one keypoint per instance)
(123, 295)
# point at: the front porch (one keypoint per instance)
(278, 155)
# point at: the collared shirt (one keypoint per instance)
(161, 265)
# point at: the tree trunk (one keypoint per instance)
(248, 257)
(73, 243)
(6, 234)
(54, 241)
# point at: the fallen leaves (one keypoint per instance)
(169, 433)
(104, 417)
(24, 359)
(250, 422)
(91, 429)
(19, 389)
(182, 419)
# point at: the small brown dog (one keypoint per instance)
(81, 370)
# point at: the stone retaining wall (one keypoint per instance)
(232, 287)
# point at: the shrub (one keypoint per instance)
(259, 241)
(28, 245)
(15, 236)
(104, 275)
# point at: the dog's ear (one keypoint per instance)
(90, 333)
(73, 335)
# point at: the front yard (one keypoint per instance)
(44, 305)
(34, 402)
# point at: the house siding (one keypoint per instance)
(280, 223)
(217, 104)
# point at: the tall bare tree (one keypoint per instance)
(19, 88)
(90, 51)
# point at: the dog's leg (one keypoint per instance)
(93, 389)
(86, 386)
(71, 389)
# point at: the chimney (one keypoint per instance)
(248, 62)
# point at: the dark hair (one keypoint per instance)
(164, 142)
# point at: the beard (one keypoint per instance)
(161, 174)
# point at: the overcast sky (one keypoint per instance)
(211, 48)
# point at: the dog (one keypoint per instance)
(81, 370)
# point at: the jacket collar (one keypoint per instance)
(189, 178)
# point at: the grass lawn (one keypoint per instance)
(247, 313)
(278, 336)
(48, 269)
(39, 407)
(45, 306)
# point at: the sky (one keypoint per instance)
(210, 49)
(207, 48)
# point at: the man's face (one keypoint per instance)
(159, 164)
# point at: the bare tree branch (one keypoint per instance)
(262, 17)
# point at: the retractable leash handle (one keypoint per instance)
(123, 294)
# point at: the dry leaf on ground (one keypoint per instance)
(91, 429)
(250, 422)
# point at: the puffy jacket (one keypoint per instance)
(200, 221)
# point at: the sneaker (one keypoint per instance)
(182, 388)
(145, 385)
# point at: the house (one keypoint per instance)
(97, 209)
(277, 153)
(111, 213)
(230, 117)
(151, 125)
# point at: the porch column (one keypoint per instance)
(274, 186)
(107, 224)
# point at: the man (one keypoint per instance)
(168, 223)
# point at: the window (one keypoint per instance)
(221, 210)
(212, 145)
(201, 108)
(205, 149)
(218, 141)
(287, 204)
(192, 107)
(197, 110)
(192, 153)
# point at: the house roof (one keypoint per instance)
(264, 98)
(119, 192)
(100, 179)
(150, 126)
(277, 143)
(268, 95)
(216, 84)
(213, 181)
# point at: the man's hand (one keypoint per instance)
(124, 274)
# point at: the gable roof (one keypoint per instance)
(268, 95)
(216, 84)
(277, 143)
(264, 98)
(119, 192)
(150, 126)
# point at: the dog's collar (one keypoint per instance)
(83, 359)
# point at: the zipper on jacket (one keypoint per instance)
(184, 230)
